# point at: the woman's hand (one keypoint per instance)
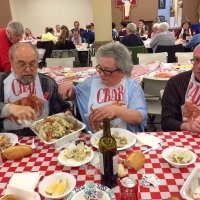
(107, 111)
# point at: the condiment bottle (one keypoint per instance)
(108, 157)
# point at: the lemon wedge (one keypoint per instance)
(53, 187)
(60, 189)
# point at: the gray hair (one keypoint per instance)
(164, 26)
(121, 55)
(132, 27)
(18, 45)
(15, 28)
(156, 25)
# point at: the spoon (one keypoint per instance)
(154, 147)
(92, 134)
(33, 146)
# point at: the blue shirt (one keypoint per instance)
(193, 42)
(135, 96)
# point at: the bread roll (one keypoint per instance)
(10, 197)
(135, 160)
(16, 152)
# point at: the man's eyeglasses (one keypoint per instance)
(195, 61)
(105, 72)
(23, 65)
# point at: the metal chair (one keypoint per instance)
(171, 50)
(64, 62)
(146, 57)
(72, 53)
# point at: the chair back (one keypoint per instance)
(64, 62)
(184, 56)
(48, 46)
(152, 91)
(146, 57)
(171, 50)
(72, 53)
(135, 51)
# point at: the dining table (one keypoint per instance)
(45, 161)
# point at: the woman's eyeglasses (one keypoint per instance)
(105, 72)
(195, 61)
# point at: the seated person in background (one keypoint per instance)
(154, 30)
(10, 35)
(58, 30)
(49, 36)
(88, 35)
(92, 26)
(63, 42)
(28, 35)
(185, 32)
(114, 31)
(112, 93)
(26, 94)
(180, 101)
(163, 36)
(142, 29)
(76, 38)
(193, 42)
(122, 32)
(131, 39)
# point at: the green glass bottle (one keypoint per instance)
(108, 156)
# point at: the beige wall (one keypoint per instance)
(5, 13)
(145, 9)
(38, 14)
(190, 10)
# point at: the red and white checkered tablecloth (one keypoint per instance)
(44, 159)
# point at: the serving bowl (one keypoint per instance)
(51, 179)
(65, 138)
(179, 153)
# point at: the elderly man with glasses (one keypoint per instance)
(26, 94)
(112, 93)
(181, 99)
(8, 36)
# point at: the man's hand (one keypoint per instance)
(66, 90)
(195, 125)
(18, 112)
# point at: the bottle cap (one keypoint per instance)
(128, 182)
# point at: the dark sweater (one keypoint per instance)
(172, 100)
(132, 40)
(68, 44)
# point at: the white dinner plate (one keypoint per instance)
(92, 191)
(13, 137)
(152, 75)
(122, 132)
(73, 163)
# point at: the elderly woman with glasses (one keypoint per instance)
(181, 99)
(112, 93)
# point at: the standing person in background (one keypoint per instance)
(77, 26)
(63, 41)
(76, 39)
(10, 35)
(114, 31)
(142, 29)
(58, 30)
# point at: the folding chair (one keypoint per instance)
(146, 57)
(64, 62)
(184, 56)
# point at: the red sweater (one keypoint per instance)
(5, 45)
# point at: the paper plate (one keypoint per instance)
(92, 191)
(13, 138)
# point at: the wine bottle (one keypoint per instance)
(108, 156)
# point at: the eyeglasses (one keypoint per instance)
(23, 65)
(195, 61)
(105, 72)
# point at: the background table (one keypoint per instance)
(44, 159)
